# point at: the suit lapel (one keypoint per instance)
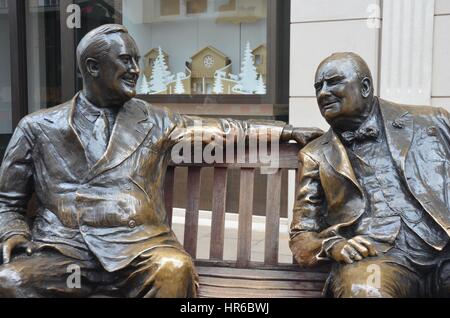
(399, 128)
(337, 157)
(132, 126)
(65, 140)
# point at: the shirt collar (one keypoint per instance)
(373, 119)
(90, 111)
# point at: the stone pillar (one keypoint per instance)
(407, 51)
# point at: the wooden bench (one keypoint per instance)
(243, 278)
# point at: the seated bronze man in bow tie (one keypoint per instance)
(373, 196)
(97, 165)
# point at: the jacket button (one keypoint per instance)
(132, 223)
(84, 228)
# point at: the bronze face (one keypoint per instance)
(115, 75)
(343, 94)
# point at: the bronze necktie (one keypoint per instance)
(99, 140)
(361, 135)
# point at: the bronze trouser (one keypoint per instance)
(386, 277)
(160, 272)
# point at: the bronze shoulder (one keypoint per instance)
(314, 149)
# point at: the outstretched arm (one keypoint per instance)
(232, 130)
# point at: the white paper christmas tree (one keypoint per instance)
(179, 87)
(144, 86)
(218, 86)
(168, 77)
(261, 89)
(248, 77)
(160, 74)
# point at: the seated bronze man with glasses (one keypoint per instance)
(374, 193)
(97, 165)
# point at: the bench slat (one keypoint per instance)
(220, 292)
(245, 217)
(218, 213)
(260, 284)
(260, 265)
(191, 222)
(262, 274)
(273, 202)
(168, 193)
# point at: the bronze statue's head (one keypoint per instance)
(108, 59)
(344, 90)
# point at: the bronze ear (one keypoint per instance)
(92, 66)
(366, 87)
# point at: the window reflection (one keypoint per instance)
(43, 54)
(200, 46)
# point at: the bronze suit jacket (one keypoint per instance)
(329, 197)
(115, 208)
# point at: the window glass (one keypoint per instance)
(202, 47)
(43, 54)
(191, 46)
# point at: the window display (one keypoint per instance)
(214, 47)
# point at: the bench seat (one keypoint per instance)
(226, 282)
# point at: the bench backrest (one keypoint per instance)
(288, 154)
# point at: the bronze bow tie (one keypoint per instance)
(368, 133)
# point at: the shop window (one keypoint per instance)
(200, 43)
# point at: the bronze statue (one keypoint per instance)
(97, 165)
(373, 196)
